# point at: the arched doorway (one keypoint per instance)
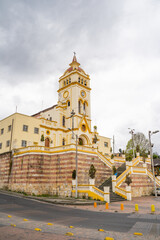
(83, 140)
(47, 142)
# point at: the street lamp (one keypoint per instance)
(76, 161)
(72, 114)
(150, 144)
(132, 133)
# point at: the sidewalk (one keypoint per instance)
(144, 206)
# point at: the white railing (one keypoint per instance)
(122, 177)
(138, 170)
(151, 176)
(94, 192)
(98, 192)
(68, 147)
(104, 159)
(120, 191)
(136, 161)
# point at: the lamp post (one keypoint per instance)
(72, 114)
(132, 133)
(150, 144)
(76, 163)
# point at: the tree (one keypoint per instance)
(74, 174)
(155, 155)
(114, 170)
(128, 180)
(92, 171)
(140, 143)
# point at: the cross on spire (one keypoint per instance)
(74, 57)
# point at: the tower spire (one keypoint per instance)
(74, 57)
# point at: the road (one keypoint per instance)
(39, 213)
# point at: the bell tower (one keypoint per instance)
(74, 94)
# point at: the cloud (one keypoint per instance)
(117, 43)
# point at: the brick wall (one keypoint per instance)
(141, 185)
(5, 160)
(50, 174)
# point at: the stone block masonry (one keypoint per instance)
(48, 173)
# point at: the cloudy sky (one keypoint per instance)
(117, 43)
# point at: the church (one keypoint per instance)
(39, 153)
(39, 150)
(58, 125)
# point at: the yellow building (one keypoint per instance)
(52, 127)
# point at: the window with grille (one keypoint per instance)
(24, 143)
(25, 128)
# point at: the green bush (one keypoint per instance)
(92, 171)
(74, 174)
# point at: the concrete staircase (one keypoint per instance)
(113, 196)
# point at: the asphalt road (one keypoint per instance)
(39, 211)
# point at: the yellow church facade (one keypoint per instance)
(57, 126)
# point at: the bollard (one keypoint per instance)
(122, 207)
(95, 204)
(107, 206)
(136, 207)
(152, 208)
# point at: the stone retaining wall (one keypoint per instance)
(49, 174)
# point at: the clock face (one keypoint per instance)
(83, 94)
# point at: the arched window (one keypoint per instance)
(82, 81)
(69, 80)
(79, 106)
(84, 108)
(63, 141)
(68, 103)
(85, 83)
(64, 83)
(63, 121)
(79, 79)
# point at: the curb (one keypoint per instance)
(52, 201)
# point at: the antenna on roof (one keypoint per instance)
(16, 109)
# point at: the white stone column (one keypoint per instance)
(113, 182)
(107, 194)
(73, 182)
(91, 183)
(128, 190)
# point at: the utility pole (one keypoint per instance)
(76, 167)
(150, 144)
(72, 116)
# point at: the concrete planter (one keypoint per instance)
(107, 194)
(91, 181)
(128, 190)
(73, 182)
(95, 145)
